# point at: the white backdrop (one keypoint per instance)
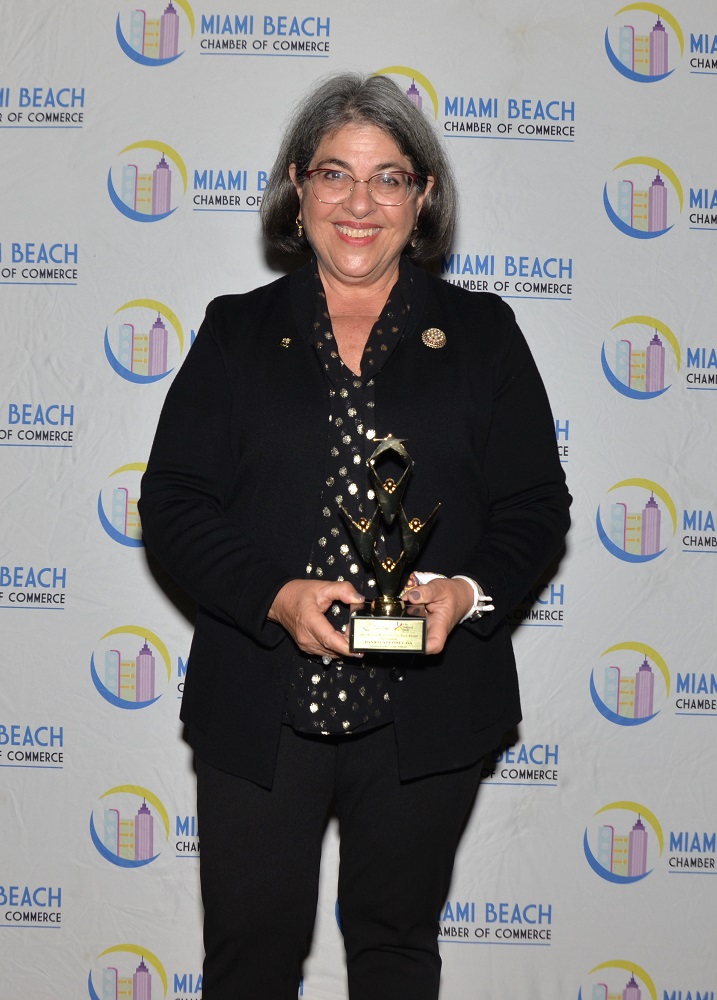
(134, 149)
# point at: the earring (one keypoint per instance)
(299, 228)
(414, 236)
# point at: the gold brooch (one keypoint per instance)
(285, 341)
(434, 337)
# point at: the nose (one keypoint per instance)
(360, 201)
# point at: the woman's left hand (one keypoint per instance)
(447, 601)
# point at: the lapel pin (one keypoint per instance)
(433, 337)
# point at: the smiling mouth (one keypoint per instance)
(358, 233)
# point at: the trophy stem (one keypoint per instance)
(386, 606)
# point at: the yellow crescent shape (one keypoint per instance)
(637, 808)
(134, 949)
(161, 147)
(183, 5)
(631, 968)
(647, 484)
(130, 467)
(415, 75)
(160, 308)
(650, 161)
(143, 793)
(652, 8)
(144, 633)
(657, 325)
(640, 647)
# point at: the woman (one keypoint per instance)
(265, 433)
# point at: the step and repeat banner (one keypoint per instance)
(135, 146)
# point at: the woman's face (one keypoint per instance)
(358, 242)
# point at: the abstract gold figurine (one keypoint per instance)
(387, 624)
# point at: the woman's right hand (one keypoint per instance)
(300, 608)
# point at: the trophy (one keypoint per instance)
(387, 624)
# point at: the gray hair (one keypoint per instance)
(374, 100)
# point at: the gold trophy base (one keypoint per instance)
(387, 625)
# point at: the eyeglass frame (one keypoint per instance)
(415, 181)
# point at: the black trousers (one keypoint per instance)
(260, 858)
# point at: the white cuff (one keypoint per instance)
(480, 601)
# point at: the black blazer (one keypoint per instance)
(230, 502)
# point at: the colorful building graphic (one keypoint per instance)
(142, 185)
(644, 54)
(618, 851)
(637, 534)
(131, 679)
(644, 210)
(619, 980)
(621, 854)
(642, 49)
(152, 37)
(130, 667)
(646, 197)
(143, 353)
(632, 685)
(135, 987)
(144, 341)
(155, 37)
(631, 991)
(129, 839)
(147, 194)
(641, 370)
(127, 829)
(639, 362)
(119, 976)
(631, 697)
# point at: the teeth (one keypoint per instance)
(358, 233)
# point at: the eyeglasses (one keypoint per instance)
(389, 187)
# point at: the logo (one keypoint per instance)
(32, 746)
(138, 345)
(126, 832)
(42, 107)
(39, 263)
(117, 505)
(35, 906)
(32, 425)
(535, 765)
(152, 38)
(623, 851)
(537, 118)
(646, 49)
(631, 524)
(648, 196)
(290, 37)
(143, 187)
(130, 677)
(520, 276)
(117, 973)
(496, 922)
(633, 681)
(635, 360)
(33, 588)
(618, 979)
(219, 190)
